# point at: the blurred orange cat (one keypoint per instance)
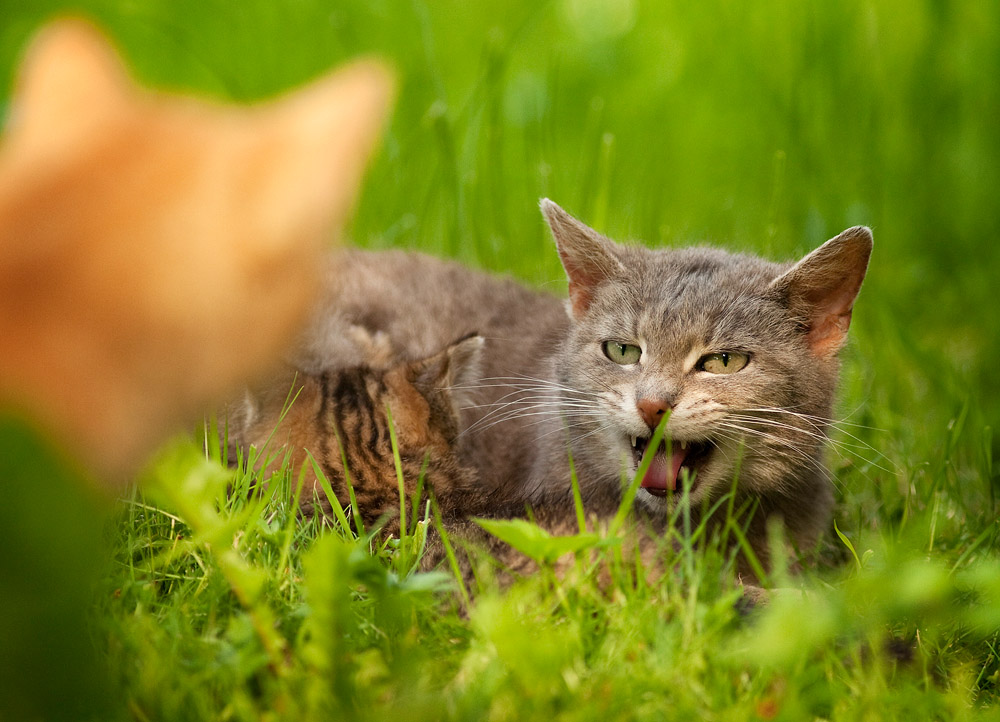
(157, 251)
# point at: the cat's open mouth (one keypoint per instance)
(665, 470)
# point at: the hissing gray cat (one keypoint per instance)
(739, 352)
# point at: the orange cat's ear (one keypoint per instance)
(821, 288)
(70, 80)
(158, 250)
(586, 256)
(322, 137)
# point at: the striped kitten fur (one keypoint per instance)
(338, 414)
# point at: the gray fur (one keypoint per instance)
(546, 386)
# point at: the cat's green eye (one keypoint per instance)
(727, 362)
(622, 353)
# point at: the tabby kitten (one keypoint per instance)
(738, 353)
(338, 414)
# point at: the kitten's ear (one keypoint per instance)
(452, 374)
(586, 255)
(70, 81)
(821, 288)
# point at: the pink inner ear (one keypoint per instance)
(579, 300)
(827, 333)
(831, 316)
(581, 294)
(582, 282)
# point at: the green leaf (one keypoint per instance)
(847, 543)
(533, 541)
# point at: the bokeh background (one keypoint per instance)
(766, 127)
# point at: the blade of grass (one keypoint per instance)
(581, 520)
(399, 470)
(629, 496)
(335, 505)
(449, 551)
(748, 552)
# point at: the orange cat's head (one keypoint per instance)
(156, 251)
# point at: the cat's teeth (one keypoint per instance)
(633, 438)
(684, 445)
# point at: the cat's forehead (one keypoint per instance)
(680, 298)
(677, 273)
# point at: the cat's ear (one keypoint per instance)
(586, 256)
(320, 138)
(70, 82)
(453, 374)
(821, 288)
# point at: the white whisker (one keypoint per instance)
(819, 423)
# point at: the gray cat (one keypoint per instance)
(739, 353)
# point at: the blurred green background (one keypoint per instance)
(766, 127)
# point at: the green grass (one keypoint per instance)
(765, 128)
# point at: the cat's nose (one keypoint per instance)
(652, 410)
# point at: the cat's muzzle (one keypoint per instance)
(670, 462)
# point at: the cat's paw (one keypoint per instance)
(751, 599)
(754, 597)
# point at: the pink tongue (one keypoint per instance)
(658, 476)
